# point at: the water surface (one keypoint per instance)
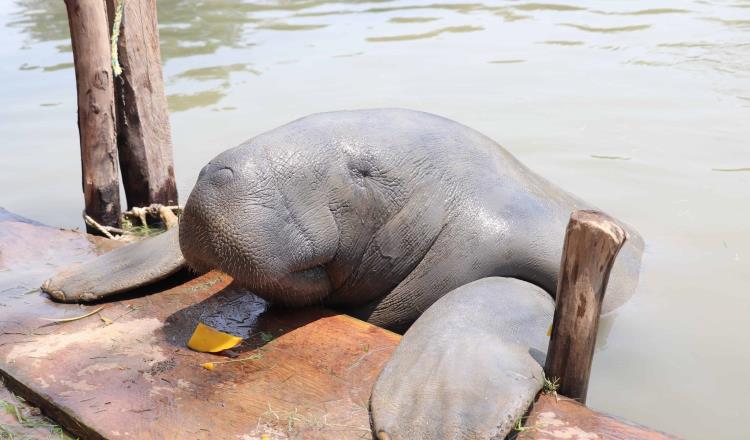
(640, 108)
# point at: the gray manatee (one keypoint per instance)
(407, 220)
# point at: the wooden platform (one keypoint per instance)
(135, 378)
(126, 372)
(557, 417)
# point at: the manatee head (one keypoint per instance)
(264, 222)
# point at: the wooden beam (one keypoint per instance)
(592, 241)
(143, 130)
(96, 120)
(560, 418)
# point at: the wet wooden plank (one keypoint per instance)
(135, 378)
(561, 418)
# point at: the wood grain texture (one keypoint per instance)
(96, 109)
(143, 129)
(592, 241)
(555, 417)
(135, 378)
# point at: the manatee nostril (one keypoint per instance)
(216, 174)
(221, 176)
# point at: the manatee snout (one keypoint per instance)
(240, 220)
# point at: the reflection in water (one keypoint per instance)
(412, 19)
(742, 24)
(656, 11)
(660, 94)
(348, 55)
(563, 42)
(506, 61)
(181, 101)
(190, 29)
(599, 156)
(216, 72)
(426, 35)
(41, 20)
(59, 66)
(546, 7)
(291, 27)
(609, 30)
(731, 170)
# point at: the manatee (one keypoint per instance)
(405, 219)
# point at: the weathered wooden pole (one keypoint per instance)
(143, 129)
(592, 241)
(89, 35)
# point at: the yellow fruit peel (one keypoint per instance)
(209, 340)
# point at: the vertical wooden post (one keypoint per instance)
(96, 120)
(143, 129)
(592, 241)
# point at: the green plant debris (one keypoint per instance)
(75, 318)
(205, 284)
(25, 421)
(295, 422)
(520, 427)
(551, 385)
(140, 230)
(212, 365)
(117, 22)
(266, 337)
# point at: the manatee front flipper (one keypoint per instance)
(469, 367)
(120, 270)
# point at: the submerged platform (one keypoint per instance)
(126, 372)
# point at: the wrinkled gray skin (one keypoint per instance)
(388, 215)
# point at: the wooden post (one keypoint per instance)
(96, 120)
(592, 241)
(143, 129)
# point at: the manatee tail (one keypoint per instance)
(120, 270)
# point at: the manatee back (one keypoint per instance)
(397, 179)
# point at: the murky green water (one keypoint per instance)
(642, 108)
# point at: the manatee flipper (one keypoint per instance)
(126, 268)
(469, 367)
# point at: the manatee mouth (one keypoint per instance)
(317, 273)
(302, 287)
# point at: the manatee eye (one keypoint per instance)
(221, 176)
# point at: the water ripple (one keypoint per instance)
(608, 30)
(425, 35)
